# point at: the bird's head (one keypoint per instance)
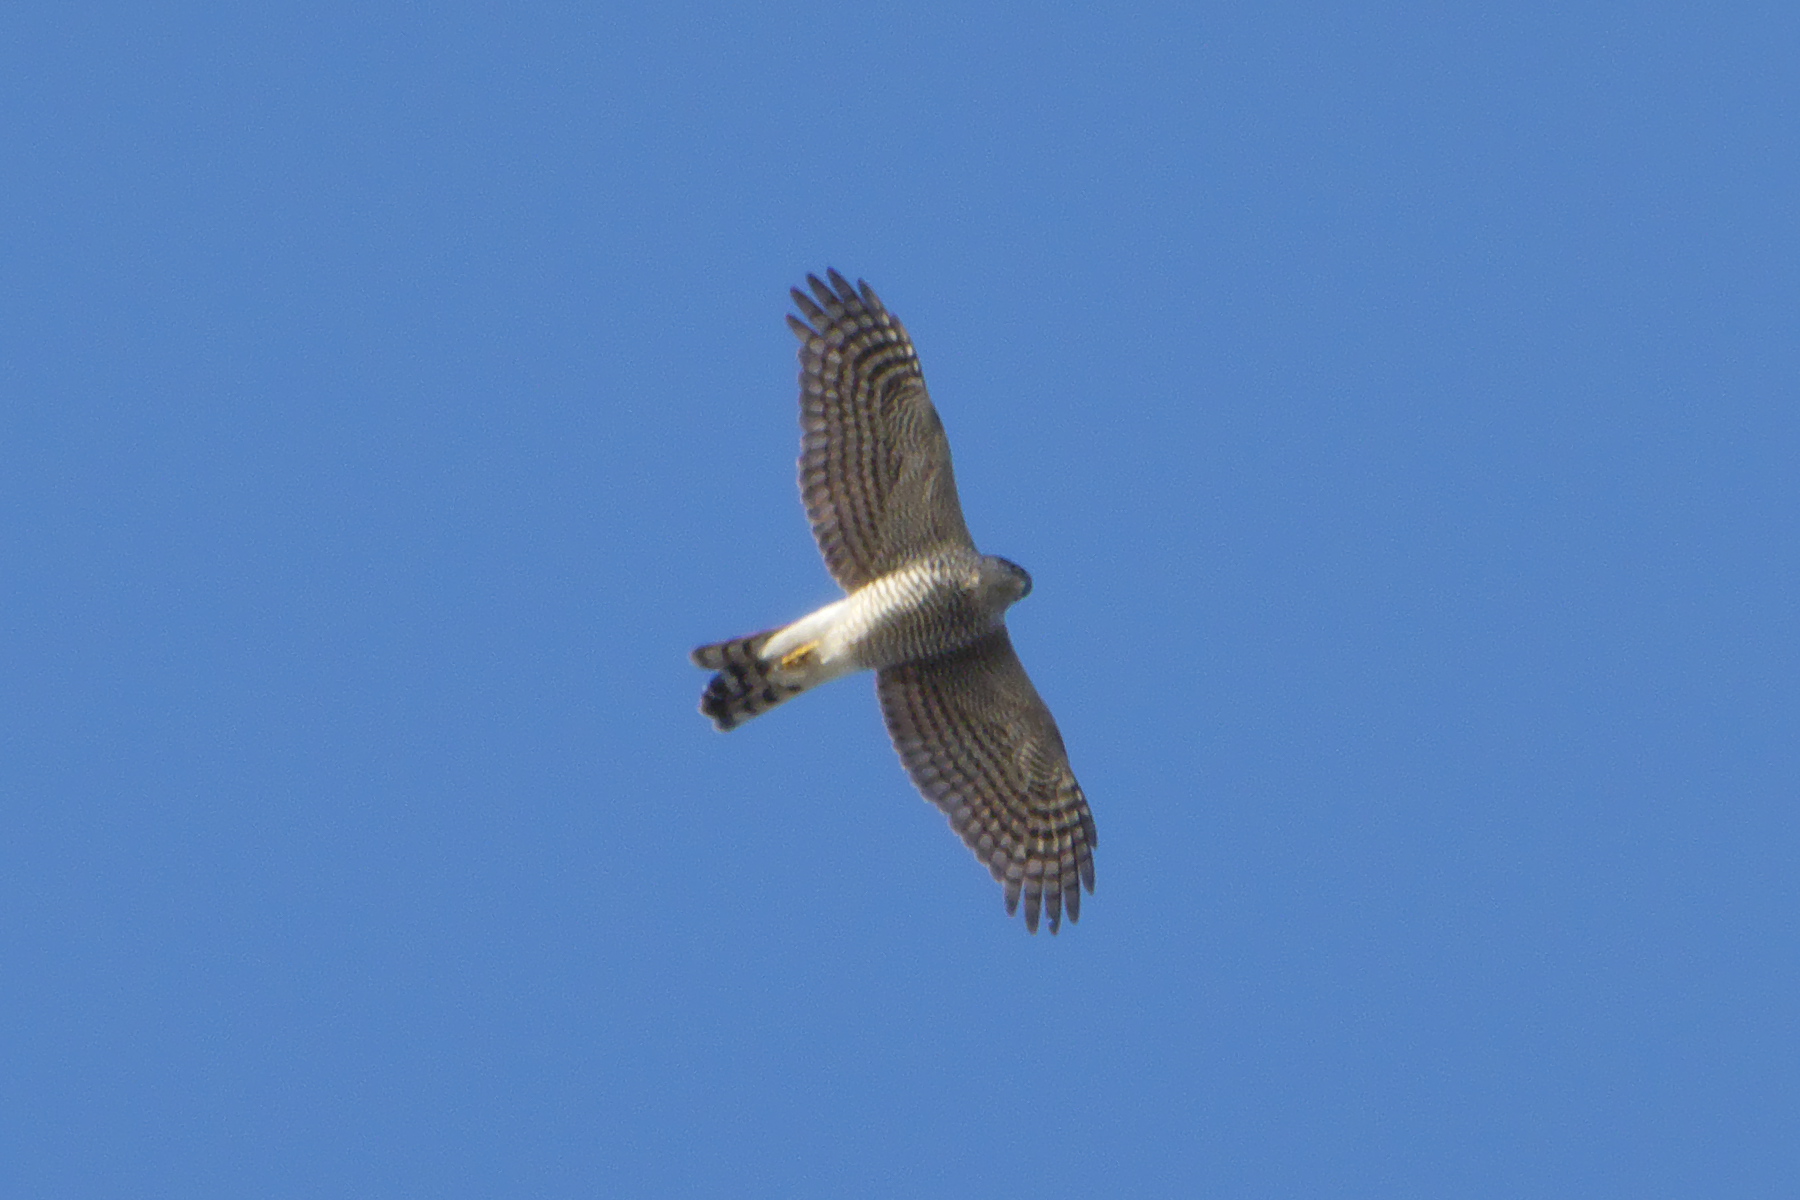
(1005, 579)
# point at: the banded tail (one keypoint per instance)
(745, 684)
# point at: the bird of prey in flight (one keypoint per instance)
(925, 611)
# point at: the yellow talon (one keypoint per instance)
(796, 658)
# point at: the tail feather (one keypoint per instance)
(744, 685)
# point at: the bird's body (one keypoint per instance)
(925, 610)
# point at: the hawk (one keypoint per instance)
(925, 611)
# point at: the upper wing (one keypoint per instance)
(874, 461)
(978, 741)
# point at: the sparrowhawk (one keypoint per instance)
(925, 611)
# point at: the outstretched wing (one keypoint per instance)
(978, 741)
(874, 461)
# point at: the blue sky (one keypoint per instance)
(1395, 407)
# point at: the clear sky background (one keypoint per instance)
(1396, 407)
